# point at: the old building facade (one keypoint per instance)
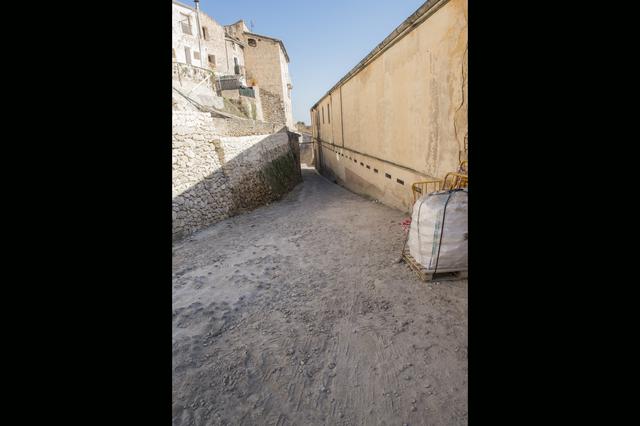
(400, 115)
(267, 64)
(186, 47)
(215, 47)
(233, 53)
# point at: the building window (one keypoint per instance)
(196, 55)
(322, 108)
(187, 55)
(185, 22)
(212, 59)
(329, 113)
(252, 42)
(205, 33)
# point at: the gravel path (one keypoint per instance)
(296, 314)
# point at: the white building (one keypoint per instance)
(186, 47)
(237, 58)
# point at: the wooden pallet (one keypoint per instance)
(425, 275)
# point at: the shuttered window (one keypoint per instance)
(185, 22)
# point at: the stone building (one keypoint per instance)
(237, 59)
(225, 55)
(400, 115)
(267, 64)
(222, 51)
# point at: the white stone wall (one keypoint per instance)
(215, 177)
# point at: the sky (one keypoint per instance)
(324, 39)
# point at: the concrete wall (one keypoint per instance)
(404, 113)
(215, 177)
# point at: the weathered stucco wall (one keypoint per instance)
(215, 43)
(405, 112)
(215, 177)
(181, 39)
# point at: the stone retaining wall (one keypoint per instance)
(239, 127)
(216, 176)
(273, 109)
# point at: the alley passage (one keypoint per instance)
(297, 314)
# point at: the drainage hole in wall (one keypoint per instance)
(375, 170)
(387, 175)
(355, 161)
(368, 166)
(361, 163)
(401, 182)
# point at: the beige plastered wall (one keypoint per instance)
(408, 107)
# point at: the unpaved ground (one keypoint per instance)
(296, 314)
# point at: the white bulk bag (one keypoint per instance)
(434, 229)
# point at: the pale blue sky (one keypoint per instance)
(324, 39)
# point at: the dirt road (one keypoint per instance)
(296, 314)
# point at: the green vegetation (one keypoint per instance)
(280, 173)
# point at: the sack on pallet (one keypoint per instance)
(436, 230)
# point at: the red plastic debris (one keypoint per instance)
(406, 224)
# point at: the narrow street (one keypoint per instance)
(298, 314)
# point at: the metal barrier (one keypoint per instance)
(229, 82)
(455, 180)
(423, 187)
(452, 180)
